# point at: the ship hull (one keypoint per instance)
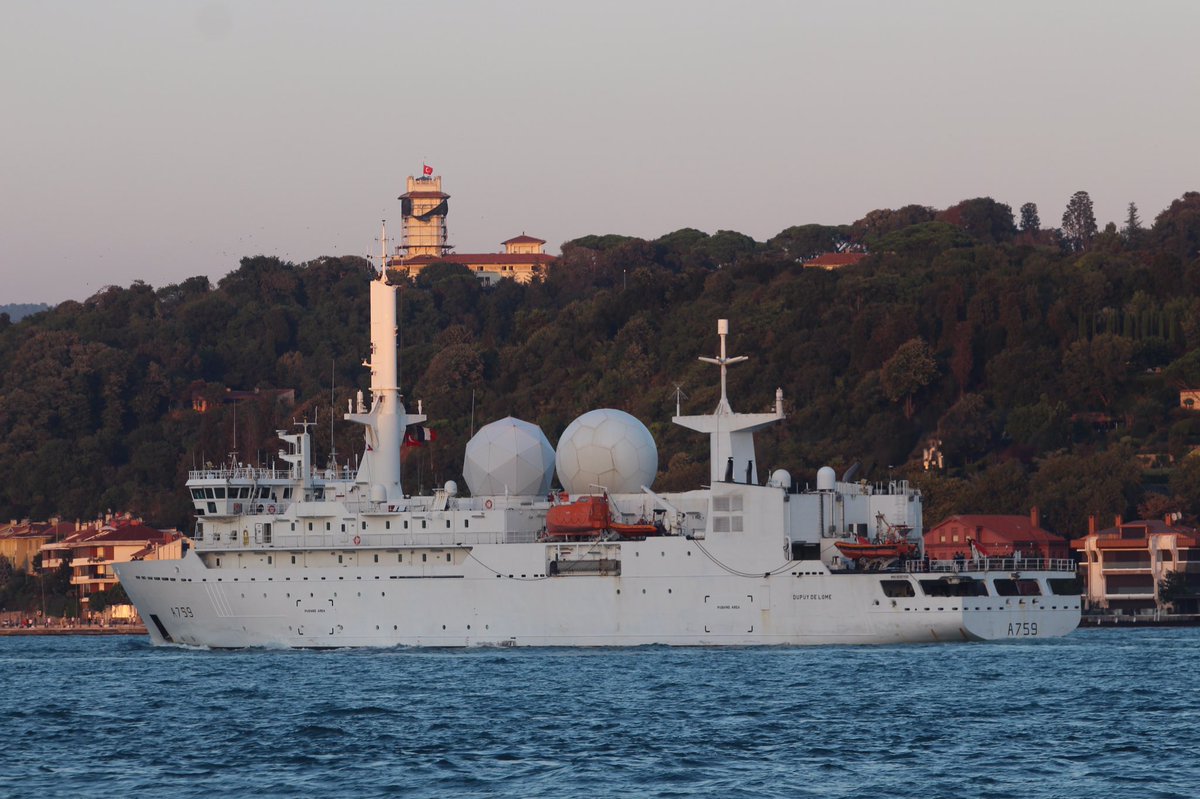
(469, 604)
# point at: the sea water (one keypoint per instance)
(1101, 713)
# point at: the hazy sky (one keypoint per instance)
(160, 140)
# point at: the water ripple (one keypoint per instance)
(1101, 713)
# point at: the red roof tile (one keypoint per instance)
(468, 259)
(1014, 528)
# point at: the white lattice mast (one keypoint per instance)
(731, 435)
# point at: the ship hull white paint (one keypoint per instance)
(381, 606)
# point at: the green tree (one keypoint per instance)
(1177, 229)
(965, 429)
(1133, 230)
(909, 370)
(983, 218)
(1070, 486)
(1096, 370)
(1079, 222)
(1030, 223)
(1185, 484)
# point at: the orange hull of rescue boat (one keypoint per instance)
(584, 515)
(865, 549)
(590, 516)
(634, 530)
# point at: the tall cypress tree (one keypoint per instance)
(1079, 222)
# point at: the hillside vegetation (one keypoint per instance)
(1045, 360)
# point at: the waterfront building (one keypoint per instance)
(993, 536)
(20, 541)
(423, 209)
(93, 549)
(1124, 565)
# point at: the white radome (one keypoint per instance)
(509, 457)
(608, 448)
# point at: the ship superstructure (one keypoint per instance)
(305, 557)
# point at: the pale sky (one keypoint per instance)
(160, 140)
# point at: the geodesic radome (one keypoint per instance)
(511, 457)
(608, 448)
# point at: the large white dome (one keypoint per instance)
(608, 448)
(511, 457)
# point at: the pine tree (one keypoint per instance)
(1133, 229)
(1029, 218)
(1079, 222)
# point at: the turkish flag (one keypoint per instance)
(427, 170)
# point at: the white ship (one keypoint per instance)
(301, 557)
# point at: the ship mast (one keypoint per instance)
(387, 419)
(731, 435)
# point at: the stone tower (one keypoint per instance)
(424, 207)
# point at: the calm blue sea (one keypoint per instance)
(1103, 713)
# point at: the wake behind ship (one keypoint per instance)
(302, 557)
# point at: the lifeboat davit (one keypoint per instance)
(590, 516)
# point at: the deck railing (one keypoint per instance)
(993, 564)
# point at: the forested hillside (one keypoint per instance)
(1045, 360)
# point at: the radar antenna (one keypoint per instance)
(679, 393)
(723, 361)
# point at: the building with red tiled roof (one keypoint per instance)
(91, 550)
(424, 208)
(1124, 565)
(835, 260)
(993, 536)
(21, 541)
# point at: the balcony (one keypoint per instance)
(1129, 591)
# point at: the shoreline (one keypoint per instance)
(132, 629)
(1181, 620)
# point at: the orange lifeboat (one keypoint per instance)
(862, 548)
(590, 516)
(639, 530)
(583, 516)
